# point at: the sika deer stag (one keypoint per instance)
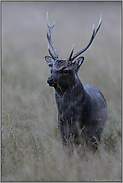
(82, 109)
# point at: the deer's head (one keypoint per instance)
(64, 72)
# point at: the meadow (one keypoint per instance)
(31, 147)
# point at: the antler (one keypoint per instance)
(55, 56)
(87, 46)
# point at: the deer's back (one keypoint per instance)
(96, 94)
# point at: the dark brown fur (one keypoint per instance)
(82, 110)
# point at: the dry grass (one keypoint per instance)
(31, 144)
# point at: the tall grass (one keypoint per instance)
(31, 142)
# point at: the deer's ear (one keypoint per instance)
(78, 62)
(49, 61)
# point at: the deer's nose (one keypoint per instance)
(50, 81)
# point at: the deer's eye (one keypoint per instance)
(65, 71)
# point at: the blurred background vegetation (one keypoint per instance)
(31, 143)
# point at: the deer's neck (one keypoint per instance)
(74, 92)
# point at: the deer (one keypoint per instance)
(82, 108)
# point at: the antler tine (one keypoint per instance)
(49, 39)
(99, 24)
(92, 38)
(69, 59)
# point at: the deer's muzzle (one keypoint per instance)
(51, 82)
